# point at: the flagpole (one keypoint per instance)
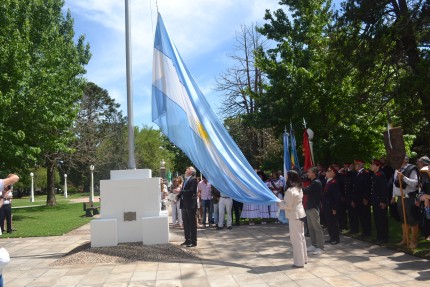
(131, 158)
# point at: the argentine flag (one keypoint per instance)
(181, 111)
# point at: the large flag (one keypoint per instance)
(294, 158)
(287, 159)
(181, 111)
(307, 152)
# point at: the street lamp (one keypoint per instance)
(65, 185)
(32, 187)
(163, 169)
(92, 185)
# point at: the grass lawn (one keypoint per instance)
(37, 219)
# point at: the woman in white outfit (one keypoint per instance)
(176, 210)
(295, 213)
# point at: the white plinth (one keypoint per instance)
(129, 198)
(104, 232)
(155, 230)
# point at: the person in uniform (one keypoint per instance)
(330, 202)
(379, 194)
(361, 186)
(407, 178)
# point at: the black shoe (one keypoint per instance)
(185, 243)
(295, 266)
(219, 228)
(191, 245)
(334, 242)
(328, 241)
(229, 227)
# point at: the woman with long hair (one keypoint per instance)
(294, 211)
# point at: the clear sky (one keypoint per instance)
(203, 31)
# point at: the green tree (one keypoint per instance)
(99, 137)
(41, 82)
(151, 148)
(308, 79)
(387, 43)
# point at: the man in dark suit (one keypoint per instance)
(188, 196)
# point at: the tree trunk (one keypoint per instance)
(50, 170)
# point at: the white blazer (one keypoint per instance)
(293, 203)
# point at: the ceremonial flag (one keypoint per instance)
(307, 151)
(181, 111)
(294, 158)
(287, 159)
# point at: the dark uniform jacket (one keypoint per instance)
(361, 186)
(188, 194)
(379, 188)
(331, 195)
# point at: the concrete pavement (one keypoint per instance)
(259, 255)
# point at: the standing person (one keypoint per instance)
(314, 191)
(361, 198)
(5, 199)
(176, 204)
(204, 189)
(5, 189)
(295, 213)
(237, 208)
(188, 196)
(331, 200)
(425, 198)
(225, 206)
(408, 176)
(215, 203)
(276, 185)
(379, 201)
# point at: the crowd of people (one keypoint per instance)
(340, 198)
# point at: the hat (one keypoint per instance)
(424, 159)
(347, 163)
(425, 169)
(358, 161)
(377, 162)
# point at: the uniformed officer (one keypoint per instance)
(379, 195)
(361, 197)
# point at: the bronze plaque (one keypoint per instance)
(129, 216)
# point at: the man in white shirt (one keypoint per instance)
(407, 178)
(204, 189)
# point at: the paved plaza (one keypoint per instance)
(259, 255)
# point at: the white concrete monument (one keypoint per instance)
(130, 210)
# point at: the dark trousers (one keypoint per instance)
(207, 210)
(190, 224)
(381, 222)
(332, 223)
(366, 219)
(342, 215)
(6, 213)
(353, 219)
(237, 208)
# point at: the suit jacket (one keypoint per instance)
(292, 203)
(188, 194)
(331, 196)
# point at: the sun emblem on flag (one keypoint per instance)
(202, 132)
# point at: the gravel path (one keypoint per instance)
(124, 253)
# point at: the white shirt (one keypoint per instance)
(411, 184)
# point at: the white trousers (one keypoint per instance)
(225, 205)
(297, 237)
(176, 210)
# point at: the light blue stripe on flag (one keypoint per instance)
(181, 111)
(287, 158)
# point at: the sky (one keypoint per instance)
(202, 30)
